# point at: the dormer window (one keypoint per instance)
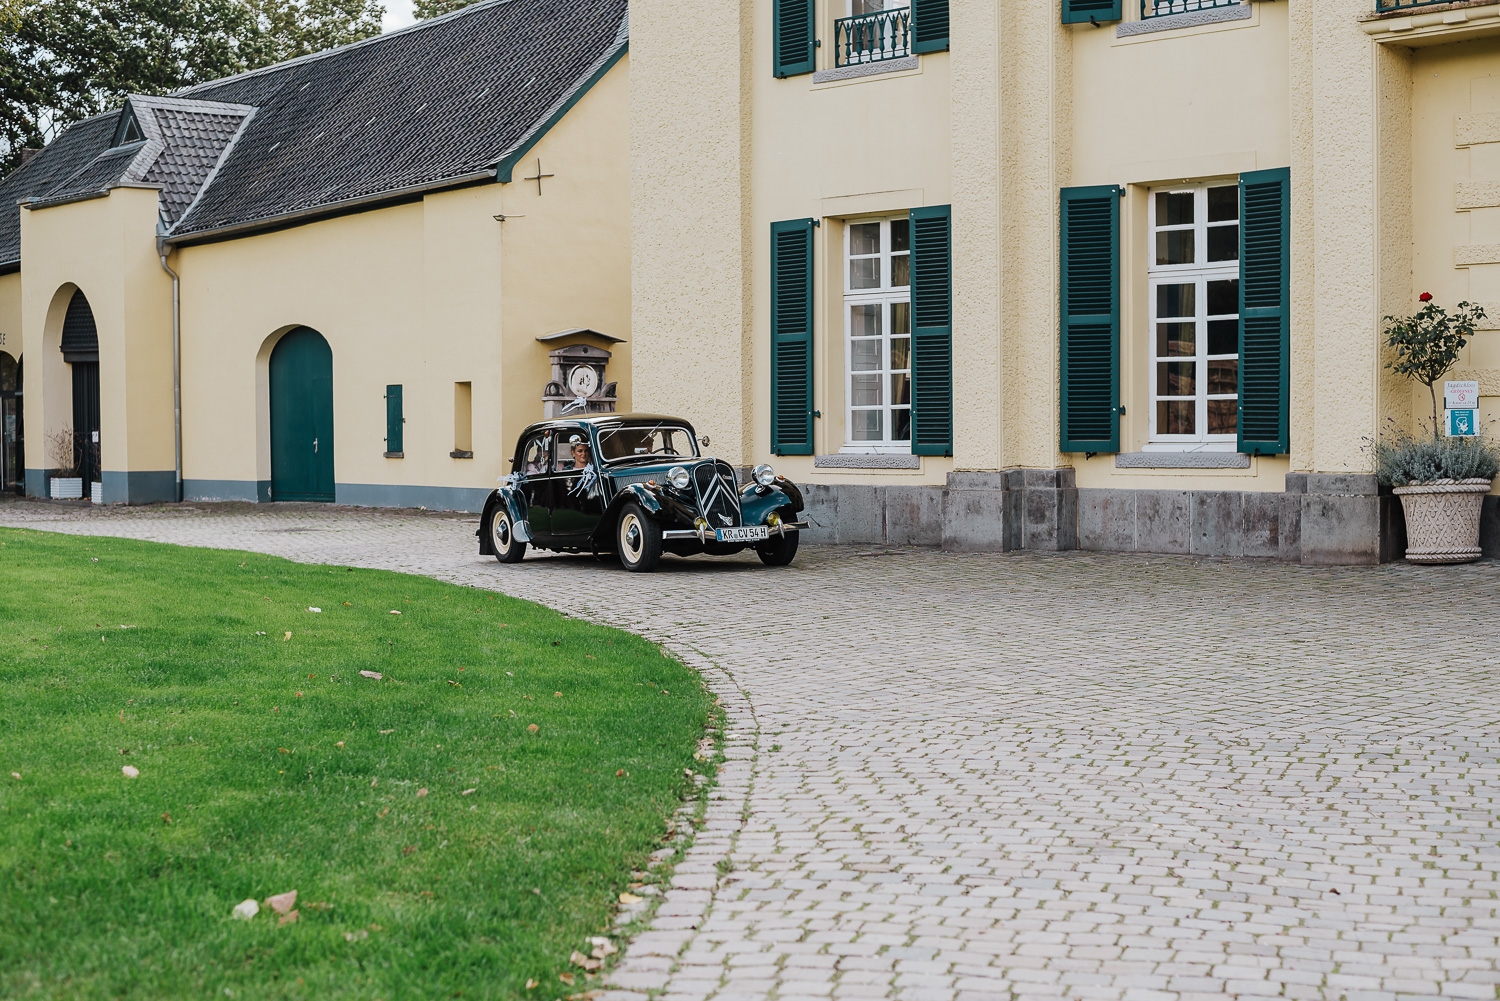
(129, 130)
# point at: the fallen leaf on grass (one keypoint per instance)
(166, 818)
(371, 674)
(421, 792)
(533, 728)
(15, 775)
(288, 635)
(282, 903)
(557, 695)
(395, 612)
(348, 604)
(602, 947)
(319, 905)
(455, 684)
(387, 731)
(619, 773)
(408, 849)
(313, 608)
(245, 910)
(586, 995)
(566, 978)
(630, 898)
(531, 983)
(131, 771)
(287, 919)
(579, 959)
(339, 744)
(468, 791)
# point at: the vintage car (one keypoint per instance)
(634, 485)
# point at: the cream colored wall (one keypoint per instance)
(10, 314)
(424, 295)
(106, 247)
(1456, 200)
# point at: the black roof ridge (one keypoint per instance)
(338, 49)
(188, 103)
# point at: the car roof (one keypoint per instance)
(605, 420)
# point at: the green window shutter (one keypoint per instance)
(793, 36)
(394, 437)
(932, 330)
(1084, 11)
(929, 26)
(792, 337)
(1265, 314)
(1090, 312)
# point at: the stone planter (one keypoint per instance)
(66, 487)
(96, 492)
(1442, 520)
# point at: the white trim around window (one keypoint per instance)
(1193, 293)
(877, 336)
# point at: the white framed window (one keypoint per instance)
(872, 30)
(877, 336)
(1194, 282)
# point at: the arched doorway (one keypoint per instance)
(80, 349)
(12, 438)
(301, 385)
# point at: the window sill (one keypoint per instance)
(858, 70)
(1438, 24)
(1182, 460)
(1190, 19)
(460, 454)
(869, 460)
(394, 455)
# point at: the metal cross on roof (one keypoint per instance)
(539, 176)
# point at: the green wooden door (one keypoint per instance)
(302, 417)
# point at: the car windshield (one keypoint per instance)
(634, 441)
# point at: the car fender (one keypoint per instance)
(757, 502)
(516, 504)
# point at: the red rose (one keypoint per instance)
(1425, 297)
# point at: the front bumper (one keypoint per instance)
(707, 534)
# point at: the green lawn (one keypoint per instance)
(269, 764)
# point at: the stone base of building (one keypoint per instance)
(1321, 519)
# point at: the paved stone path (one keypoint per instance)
(1034, 776)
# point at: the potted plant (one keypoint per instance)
(66, 482)
(1441, 481)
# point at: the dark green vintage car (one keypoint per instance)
(634, 485)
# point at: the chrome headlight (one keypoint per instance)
(679, 478)
(763, 474)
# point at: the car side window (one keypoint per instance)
(571, 450)
(534, 455)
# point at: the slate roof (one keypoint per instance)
(440, 102)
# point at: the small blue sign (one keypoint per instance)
(1463, 423)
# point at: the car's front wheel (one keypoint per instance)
(502, 532)
(778, 550)
(637, 540)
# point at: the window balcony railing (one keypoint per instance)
(868, 38)
(1161, 8)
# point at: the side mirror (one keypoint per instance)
(703, 440)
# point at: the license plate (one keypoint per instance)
(750, 533)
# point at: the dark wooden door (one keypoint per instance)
(302, 417)
(12, 436)
(86, 446)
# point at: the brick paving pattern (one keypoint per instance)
(1033, 776)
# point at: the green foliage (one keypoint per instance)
(1402, 459)
(268, 763)
(69, 59)
(1428, 344)
(436, 8)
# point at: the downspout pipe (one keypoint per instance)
(163, 250)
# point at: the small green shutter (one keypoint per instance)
(929, 26)
(932, 330)
(1090, 312)
(1265, 314)
(1084, 11)
(792, 337)
(793, 37)
(393, 420)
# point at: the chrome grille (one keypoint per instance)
(718, 498)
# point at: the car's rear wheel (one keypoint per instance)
(502, 532)
(637, 540)
(778, 550)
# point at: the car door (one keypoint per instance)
(536, 482)
(577, 486)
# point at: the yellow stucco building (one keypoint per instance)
(362, 284)
(990, 274)
(1062, 273)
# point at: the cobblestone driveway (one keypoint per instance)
(1068, 775)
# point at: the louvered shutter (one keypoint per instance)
(1090, 312)
(395, 435)
(792, 337)
(932, 330)
(1084, 11)
(793, 37)
(929, 26)
(1265, 314)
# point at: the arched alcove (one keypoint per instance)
(12, 428)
